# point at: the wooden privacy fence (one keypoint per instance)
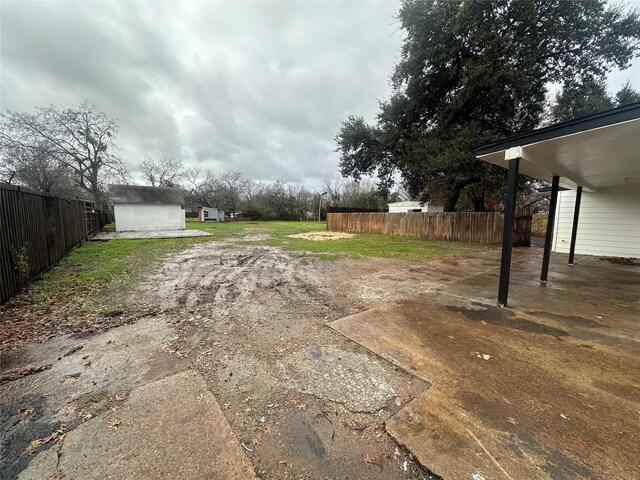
(474, 227)
(539, 224)
(36, 231)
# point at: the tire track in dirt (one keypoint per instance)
(299, 396)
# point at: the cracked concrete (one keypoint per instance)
(128, 371)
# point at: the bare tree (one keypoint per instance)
(333, 185)
(203, 188)
(301, 202)
(35, 170)
(81, 139)
(249, 190)
(231, 184)
(164, 172)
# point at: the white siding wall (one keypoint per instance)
(609, 223)
(433, 208)
(428, 207)
(148, 217)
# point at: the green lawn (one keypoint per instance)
(360, 245)
(110, 268)
(91, 275)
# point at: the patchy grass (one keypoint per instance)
(96, 403)
(93, 273)
(112, 268)
(360, 245)
(90, 288)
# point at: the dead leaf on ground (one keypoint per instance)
(34, 444)
(483, 322)
(581, 442)
(257, 440)
(512, 421)
(621, 260)
(27, 414)
(547, 406)
(120, 397)
(371, 460)
(282, 462)
(114, 424)
(296, 403)
(73, 350)
(23, 371)
(588, 405)
(246, 399)
(72, 376)
(57, 476)
(88, 364)
(355, 425)
(226, 406)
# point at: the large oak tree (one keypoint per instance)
(475, 71)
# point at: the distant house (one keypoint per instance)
(206, 214)
(139, 208)
(411, 206)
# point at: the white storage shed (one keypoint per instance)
(207, 214)
(140, 208)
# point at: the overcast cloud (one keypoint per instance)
(255, 87)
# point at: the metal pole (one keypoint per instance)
(550, 222)
(319, 207)
(574, 230)
(507, 234)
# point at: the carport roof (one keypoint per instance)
(600, 150)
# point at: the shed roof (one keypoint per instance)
(137, 194)
(596, 151)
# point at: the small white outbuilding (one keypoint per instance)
(413, 206)
(140, 208)
(207, 214)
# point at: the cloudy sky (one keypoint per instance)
(255, 87)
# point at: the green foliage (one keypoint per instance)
(580, 99)
(474, 71)
(626, 95)
(20, 259)
(590, 96)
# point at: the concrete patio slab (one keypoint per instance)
(171, 428)
(151, 234)
(548, 390)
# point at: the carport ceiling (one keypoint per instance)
(601, 150)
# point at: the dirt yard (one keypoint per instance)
(302, 400)
(224, 361)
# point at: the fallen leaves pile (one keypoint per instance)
(23, 371)
(20, 325)
(621, 260)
